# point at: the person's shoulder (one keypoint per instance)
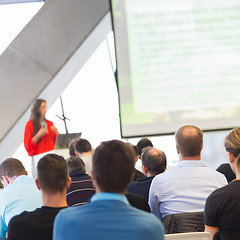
(21, 220)
(29, 123)
(147, 219)
(219, 193)
(49, 122)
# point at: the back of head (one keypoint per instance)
(189, 141)
(71, 147)
(154, 160)
(232, 144)
(113, 164)
(12, 167)
(82, 145)
(143, 143)
(76, 165)
(52, 173)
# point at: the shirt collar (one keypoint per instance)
(191, 163)
(109, 196)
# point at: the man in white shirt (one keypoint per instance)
(185, 187)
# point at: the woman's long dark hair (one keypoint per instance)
(36, 115)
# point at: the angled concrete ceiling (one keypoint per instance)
(44, 58)
(19, 1)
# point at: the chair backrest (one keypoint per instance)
(184, 222)
(189, 236)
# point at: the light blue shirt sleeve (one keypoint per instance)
(3, 229)
(153, 199)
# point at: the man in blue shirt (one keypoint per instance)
(19, 194)
(185, 187)
(108, 215)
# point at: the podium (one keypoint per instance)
(63, 140)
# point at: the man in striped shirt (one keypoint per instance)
(81, 188)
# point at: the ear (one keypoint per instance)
(144, 168)
(92, 176)
(230, 157)
(177, 149)
(68, 182)
(26, 173)
(136, 159)
(5, 178)
(37, 184)
(76, 153)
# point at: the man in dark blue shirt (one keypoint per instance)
(153, 162)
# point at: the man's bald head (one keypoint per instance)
(154, 160)
(189, 141)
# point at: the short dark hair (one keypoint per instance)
(143, 143)
(71, 147)
(12, 167)
(76, 165)
(113, 164)
(189, 140)
(154, 160)
(52, 173)
(82, 145)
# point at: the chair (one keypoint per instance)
(184, 222)
(189, 236)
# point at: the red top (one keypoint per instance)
(44, 144)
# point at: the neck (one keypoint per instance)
(148, 174)
(197, 158)
(54, 199)
(86, 154)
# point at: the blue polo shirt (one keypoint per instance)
(107, 216)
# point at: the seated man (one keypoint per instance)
(185, 187)
(83, 149)
(19, 194)
(153, 162)
(52, 180)
(108, 215)
(81, 188)
(223, 205)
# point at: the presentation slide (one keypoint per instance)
(178, 63)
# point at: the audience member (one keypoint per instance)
(52, 180)
(83, 149)
(154, 162)
(109, 215)
(185, 187)
(137, 173)
(71, 147)
(19, 194)
(223, 205)
(227, 171)
(81, 188)
(143, 143)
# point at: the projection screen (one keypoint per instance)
(178, 63)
